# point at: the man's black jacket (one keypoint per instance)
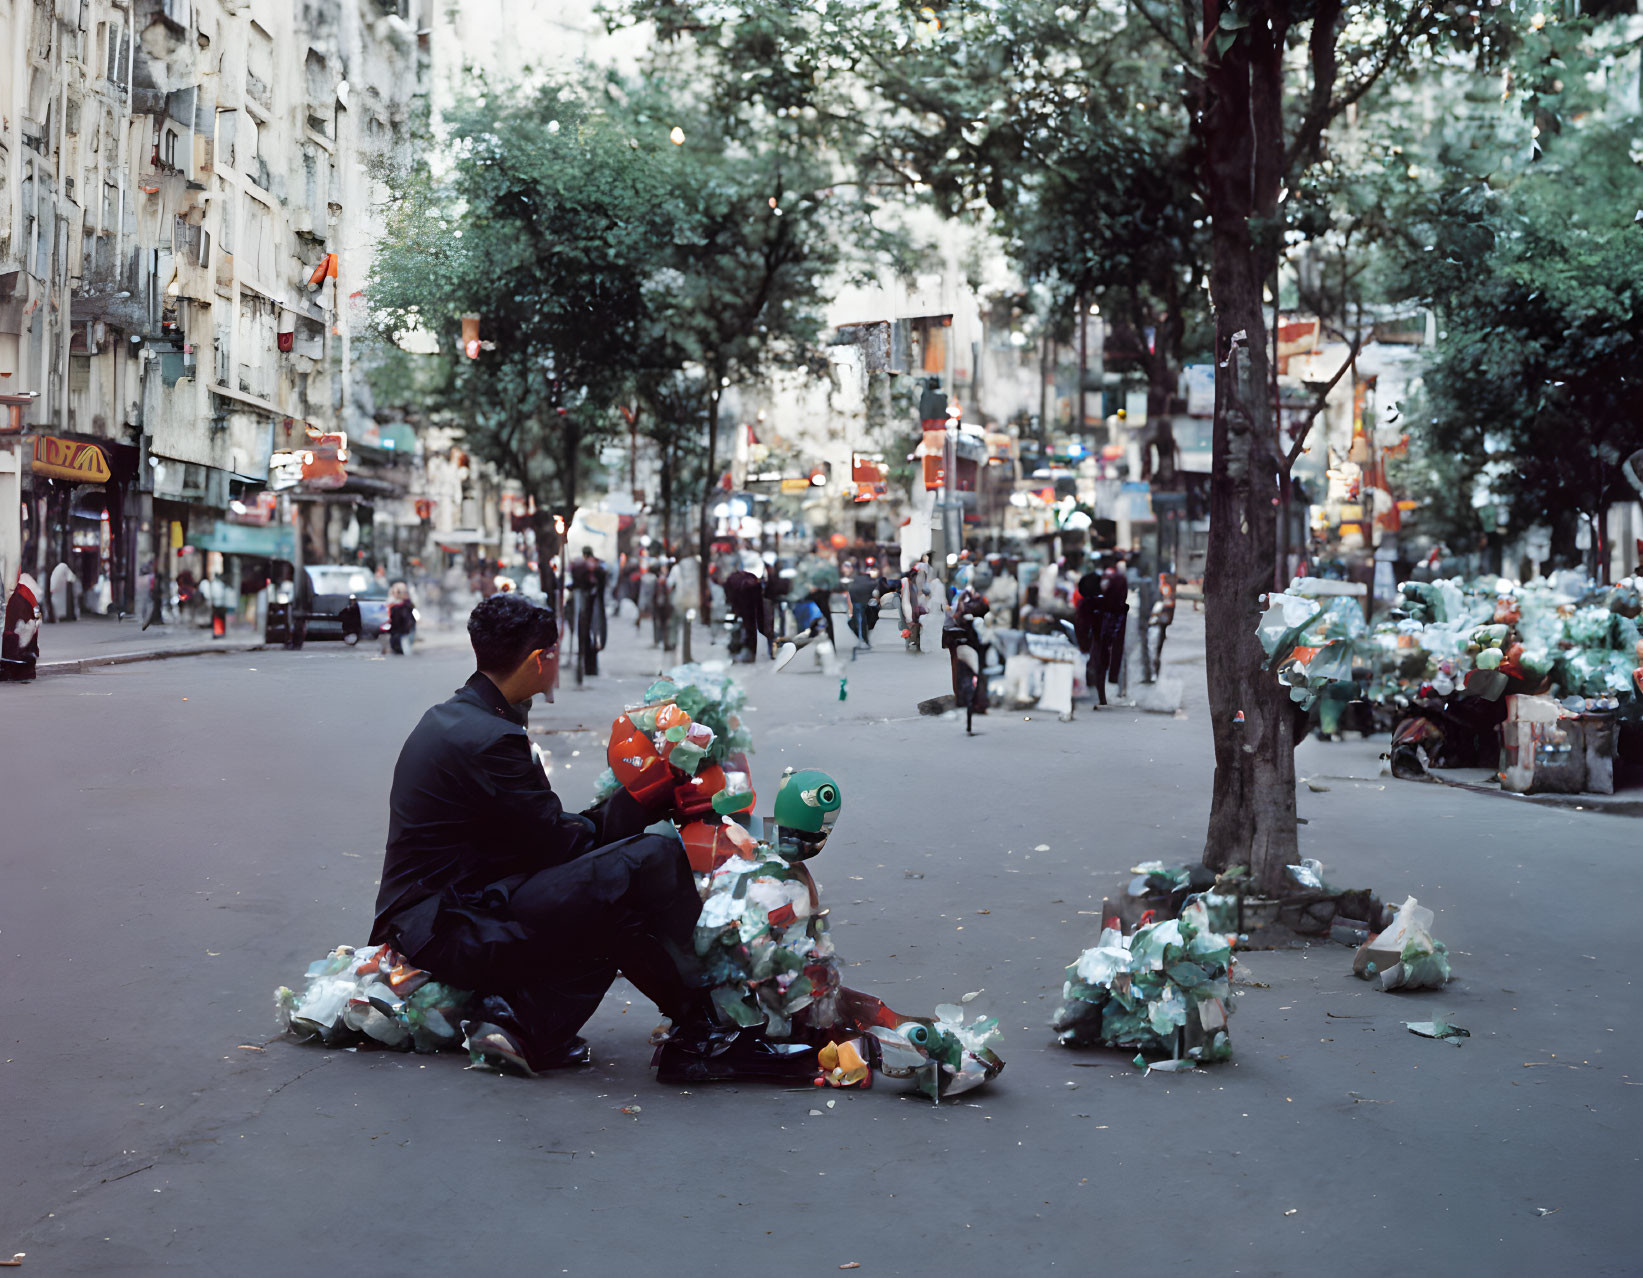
(470, 807)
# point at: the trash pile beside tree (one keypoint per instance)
(1164, 991)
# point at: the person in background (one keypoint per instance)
(915, 602)
(744, 596)
(684, 584)
(1028, 577)
(588, 580)
(646, 594)
(863, 590)
(776, 588)
(1113, 611)
(661, 608)
(20, 641)
(1162, 616)
(1087, 629)
(401, 619)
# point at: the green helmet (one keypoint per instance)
(807, 804)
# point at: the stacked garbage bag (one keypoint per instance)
(372, 995)
(1480, 637)
(1405, 956)
(1165, 990)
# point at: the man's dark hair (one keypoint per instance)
(506, 628)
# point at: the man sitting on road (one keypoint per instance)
(490, 885)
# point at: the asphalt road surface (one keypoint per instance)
(181, 837)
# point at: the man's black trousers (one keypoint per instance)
(552, 942)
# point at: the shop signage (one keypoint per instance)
(65, 459)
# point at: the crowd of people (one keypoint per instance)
(772, 608)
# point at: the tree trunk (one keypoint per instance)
(1252, 813)
(547, 537)
(666, 479)
(704, 524)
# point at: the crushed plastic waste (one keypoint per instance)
(352, 996)
(942, 1056)
(1309, 873)
(763, 938)
(762, 935)
(1468, 636)
(1404, 956)
(1438, 1029)
(691, 717)
(1165, 990)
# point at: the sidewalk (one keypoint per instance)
(1359, 762)
(72, 646)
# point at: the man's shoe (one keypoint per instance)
(732, 1055)
(491, 1045)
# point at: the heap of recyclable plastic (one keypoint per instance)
(1165, 990)
(1476, 636)
(372, 994)
(944, 1056)
(765, 945)
(707, 697)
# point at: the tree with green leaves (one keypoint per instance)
(544, 220)
(956, 99)
(763, 227)
(1521, 232)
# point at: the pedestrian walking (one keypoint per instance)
(646, 594)
(962, 635)
(684, 584)
(915, 603)
(1111, 612)
(744, 596)
(401, 619)
(864, 592)
(589, 580)
(776, 588)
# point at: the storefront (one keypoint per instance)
(77, 528)
(239, 561)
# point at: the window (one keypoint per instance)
(930, 334)
(227, 128)
(168, 149)
(119, 53)
(226, 212)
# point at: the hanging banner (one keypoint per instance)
(868, 478)
(935, 458)
(65, 459)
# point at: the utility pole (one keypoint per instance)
(1083, 364)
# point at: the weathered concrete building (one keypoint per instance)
(186, 222)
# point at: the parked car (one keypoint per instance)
(329, 586)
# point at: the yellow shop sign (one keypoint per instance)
(65, 459)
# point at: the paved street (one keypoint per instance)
(183, 836)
